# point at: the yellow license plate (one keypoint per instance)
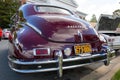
(82, 48)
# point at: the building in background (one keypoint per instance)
(69, 4)
(23, 2)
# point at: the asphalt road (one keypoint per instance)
(7, 74)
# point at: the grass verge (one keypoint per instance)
(116, 76)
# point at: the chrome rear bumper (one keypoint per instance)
(52, 65)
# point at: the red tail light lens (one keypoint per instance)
(111, 39)
(42, 52)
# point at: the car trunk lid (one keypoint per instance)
(63, 28)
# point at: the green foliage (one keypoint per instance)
(116, 12)
(116, 76)
(7, 9)
(93, 19)
(119, 25)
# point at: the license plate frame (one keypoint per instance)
(82, 49)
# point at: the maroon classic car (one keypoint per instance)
(48, 38)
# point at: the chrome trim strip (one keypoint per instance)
(34, 52)
(34, 28)
(80, 34)
(16, 43)
(17, 61)
(50, 69)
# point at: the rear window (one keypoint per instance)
(53, 9)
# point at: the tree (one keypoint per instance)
(116, 12)
(93, 19)
(7, 9)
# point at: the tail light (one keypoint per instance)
(41, 52)
(111, 39)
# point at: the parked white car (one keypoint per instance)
(6, 33)
(109, 27)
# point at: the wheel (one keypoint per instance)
(0, 39)
(117, 52)
(106, 63)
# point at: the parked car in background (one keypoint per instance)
(0, 34)
(48, 38)
(109, 27)
(6, 33)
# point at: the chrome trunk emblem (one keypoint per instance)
(76, 27)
